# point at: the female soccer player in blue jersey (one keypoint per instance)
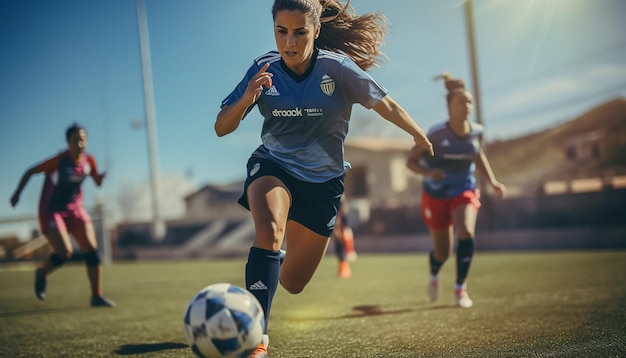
(450, 199)
(305, 91)
(61, 212)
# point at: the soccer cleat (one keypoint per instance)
(433, 289)
(259, 352)
(40, 285)
(101, 301)
(462, 298)
(344, 269)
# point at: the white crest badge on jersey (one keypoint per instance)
(327, 85)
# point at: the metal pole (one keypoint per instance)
(469, 20)
(158, 226)
(487, 208)
(106, 248)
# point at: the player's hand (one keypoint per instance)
(499, 188)
(255, 85)
(99, 178)
(423, 142)
(14, 199)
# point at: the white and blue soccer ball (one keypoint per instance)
(223, 320)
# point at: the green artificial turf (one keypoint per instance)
(526, 304)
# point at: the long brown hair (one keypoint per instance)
(359, 37)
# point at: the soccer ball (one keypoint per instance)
(223, 320)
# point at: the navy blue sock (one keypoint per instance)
(464, 255)
(262, 274)
(435, 265)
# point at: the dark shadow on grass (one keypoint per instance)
(131, 349)
(373, 310)
(44, 311)
(362, 311)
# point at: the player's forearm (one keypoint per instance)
(483, 166)
(16, 194)
(229, 118)
(97, 178)
(414, 161)
(24, 180)
(394, 113)
(416, 167)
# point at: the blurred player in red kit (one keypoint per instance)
(61, 212)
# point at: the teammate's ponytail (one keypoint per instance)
(453, 85)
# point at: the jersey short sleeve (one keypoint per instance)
(50, 165)
(363, 88)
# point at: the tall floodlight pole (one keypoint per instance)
(107, 252)
(158, 226)
(487, 208)
(469, 20)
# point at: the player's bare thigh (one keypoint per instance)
(85, 237)
(464, 218)
(305, 250)
(465, 212)
(61, 242)
(55, 230)
(269, 201)
(81, 228)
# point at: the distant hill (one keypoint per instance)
(554, 154)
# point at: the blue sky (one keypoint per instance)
(540, 62)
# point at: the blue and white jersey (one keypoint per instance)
(455, 156)
(306, 117)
